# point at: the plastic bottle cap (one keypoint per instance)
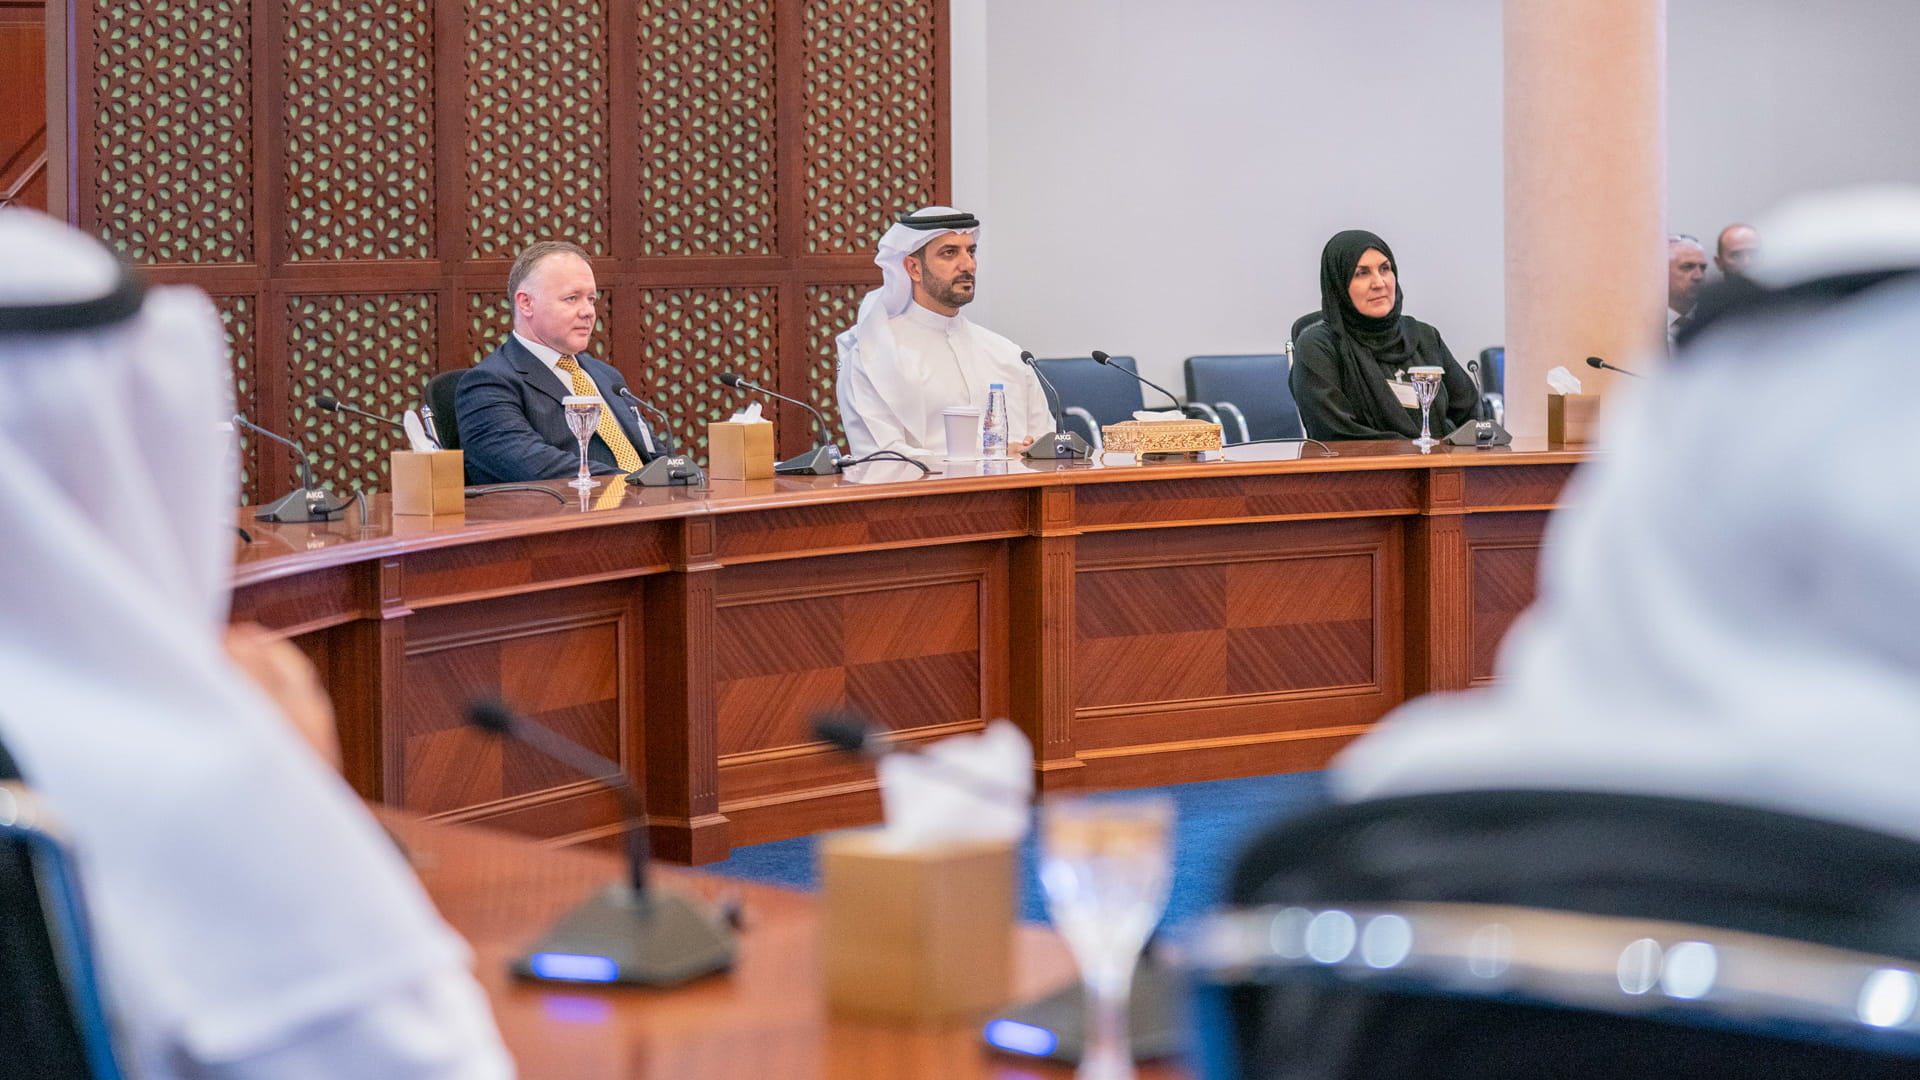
(996, 386)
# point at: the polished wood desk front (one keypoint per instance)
(765, 1018)
(1144, 624)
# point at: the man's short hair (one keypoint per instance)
(532, 254)
(1683, 238)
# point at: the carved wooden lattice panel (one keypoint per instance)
(237, 314)
(830, 309)
(490, 320)
(537, 126)
(872, 118)
(170, 131)
(690, 335)
(372, 352)
(706, 145)
(359, 130)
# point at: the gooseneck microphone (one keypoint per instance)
(1058, 443)
(1596, 362)
(304, 503)
(670, 469)
(334, 404)
(628, 932)
(1102, 358)
(824, 459)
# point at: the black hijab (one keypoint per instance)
(1383, 338)
(1370, 349)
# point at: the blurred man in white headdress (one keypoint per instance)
(1726, 613)
(911, 354)
(252, 920)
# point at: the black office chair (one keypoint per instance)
(1091, 396)
(1248, 396)
(1563, 934)
(53, 1025)
(441, 391)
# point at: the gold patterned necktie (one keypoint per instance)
(609, 430)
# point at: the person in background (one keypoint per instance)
(1720, 617)
(1686, 269)
(1736, 249)
(1350, 369)
(252, 921)
(911, 354)
(508, 410)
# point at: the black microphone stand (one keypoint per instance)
(304, 503)
(1102, 358)
(1058, 443)
(671, 469)
(824, 459)
(628, 932)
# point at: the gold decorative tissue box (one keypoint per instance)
(1155, 437)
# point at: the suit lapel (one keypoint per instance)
(538, 375)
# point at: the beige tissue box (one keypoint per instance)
(739, 451)
(915, 936)
(429, 484)
(1572, 418)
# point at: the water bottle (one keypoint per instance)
(993, 424)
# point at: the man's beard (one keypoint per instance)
(945, 293)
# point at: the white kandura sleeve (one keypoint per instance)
(439, 1028)
(869, 419)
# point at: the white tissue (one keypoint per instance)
(1562, 381)
(966, 788)
(1159, 414)
(749, 415)
(417, 440)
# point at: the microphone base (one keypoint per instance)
(670, 470)
(1058, 444)
(620, 936)
(1481, 433)
(820, 461)
(302, 504)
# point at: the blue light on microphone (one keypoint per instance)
(573, 967)
(1019, 1038)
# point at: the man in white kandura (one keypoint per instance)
(911, 354)
(252, 920)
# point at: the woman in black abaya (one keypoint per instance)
(1350, 369)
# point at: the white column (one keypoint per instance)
(1586, 176)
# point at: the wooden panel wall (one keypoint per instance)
(351, 180)
(23, 89)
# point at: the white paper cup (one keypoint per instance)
(963, 433)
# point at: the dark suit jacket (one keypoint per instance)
(513, 427)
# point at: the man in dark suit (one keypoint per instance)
(508, 411)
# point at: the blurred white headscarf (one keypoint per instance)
(238, 888)
(1729, 604)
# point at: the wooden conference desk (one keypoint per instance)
(1144, 624)
(766, 1018)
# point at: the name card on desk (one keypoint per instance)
(915, 936)
(431, 484)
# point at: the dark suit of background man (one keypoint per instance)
(511, 422)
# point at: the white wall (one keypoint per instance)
(1157, 177)
(1772, 97)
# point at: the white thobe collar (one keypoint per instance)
(933, 320)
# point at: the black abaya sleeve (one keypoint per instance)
(1325, 411)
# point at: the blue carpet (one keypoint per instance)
(1213, 819)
